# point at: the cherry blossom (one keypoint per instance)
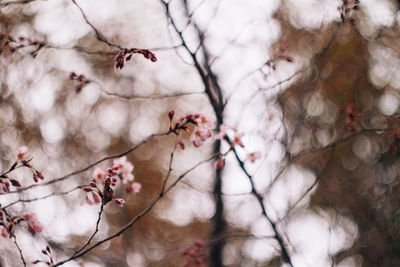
(125, 169)
(23, 154)
(134, 188)
(33, 225)
(200, 135)
(99, 174)
(92, 199)
(254, 156)
(206, 121)
(237, 139)
(222, 131)
(120, 202)
(180, 143)
(4, 233)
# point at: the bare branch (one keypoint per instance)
(99, 35)
(56, 180)
(139, 216)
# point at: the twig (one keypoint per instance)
(99, 35)
(56, 180)
(139, 216)
(285, 254)
(40, 198)
(19, 250)
(94, 233)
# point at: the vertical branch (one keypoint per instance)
(218, 220)
(214, 94)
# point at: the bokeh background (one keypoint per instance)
(313, 85)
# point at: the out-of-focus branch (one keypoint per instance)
(203, 75)
(317, 179)
(99, 35)
(44, 197)
(163, 96)
(259, 197)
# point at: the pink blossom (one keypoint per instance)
(92, 199)
(4, 233)
(40, 175)
(87, 189)
(87, 201)
(96, 198)
(206, 121)
(237, 139)
(200, 135)
(23, 154)
(120, 202)
(125, 169)
(134, 188)
(171, 114)
(99, 174)
(33, 225)
(222, 131)
(253, 156)
(180, 143)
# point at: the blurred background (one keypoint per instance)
(312, 85)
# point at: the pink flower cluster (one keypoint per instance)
(23, 154)
(236, 139)
(237, 136)
(6, 182)
(108, 179)
(23, 158)
(33, 225)
(106, 194)
(125, 169)
(203, 125)
(7, 224)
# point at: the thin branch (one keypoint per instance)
(319, 176)
(19, 250)
(139, 216)
(41, 198)
(99, 35)
(134, 97)
(95, 231)
(285, 254)
(170, 165)
(56, 180)
(208, 90)
(13, 167)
